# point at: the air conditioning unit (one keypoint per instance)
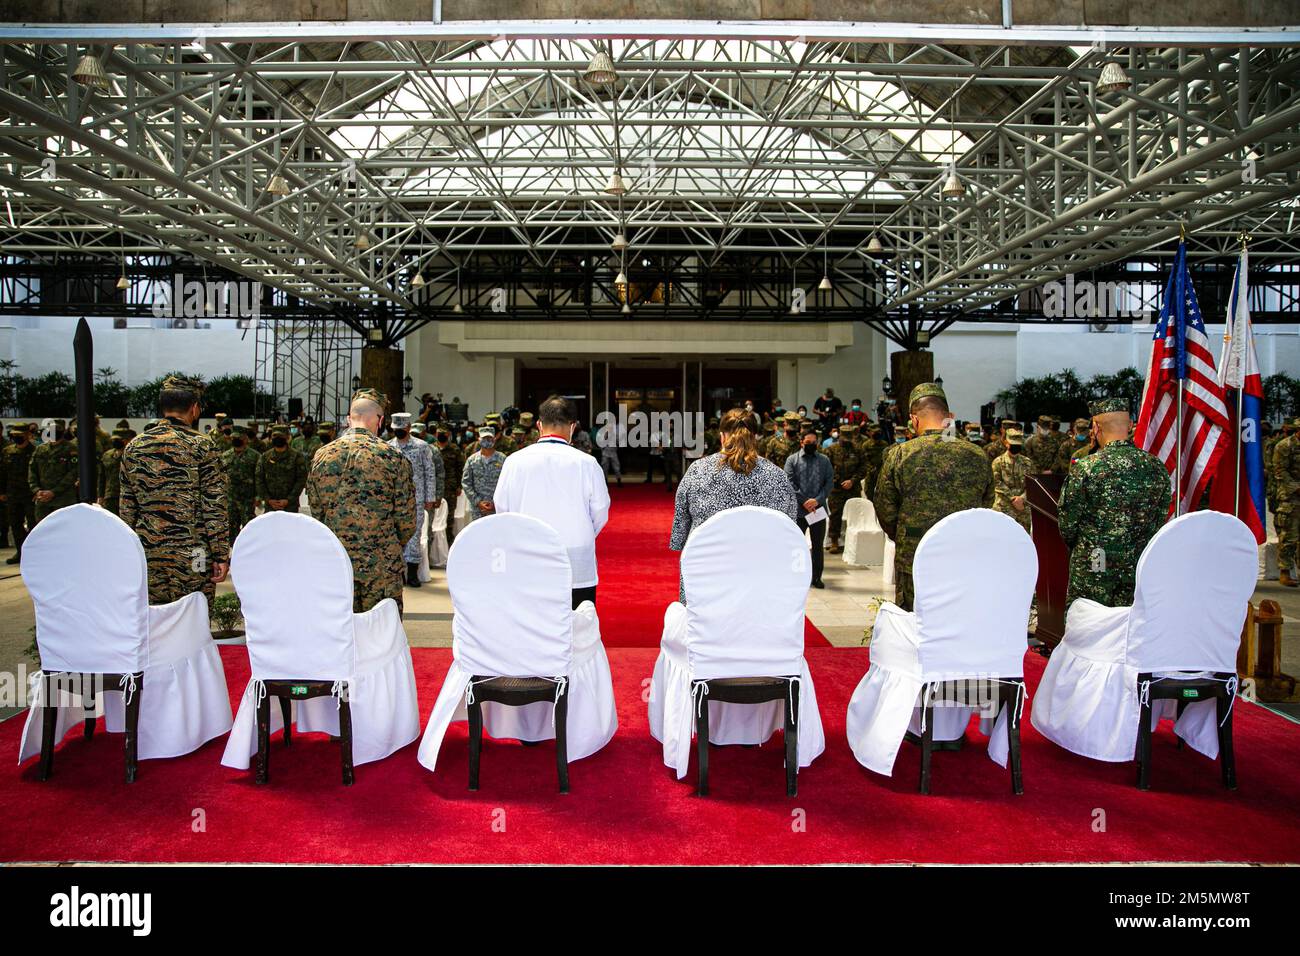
(180, 323)
(1100, 327)
(119, 323)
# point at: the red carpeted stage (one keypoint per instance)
(627, 808)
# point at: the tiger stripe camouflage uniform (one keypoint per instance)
(110, 471)
(174, 497)
(1113, 502)
(240, 462)
(363, 491)
(923, 481)
(54, 468)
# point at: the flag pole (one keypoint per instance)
(1178, 459)
(1241, 372)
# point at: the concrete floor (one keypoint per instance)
(841, 612)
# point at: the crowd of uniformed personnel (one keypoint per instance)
(1114, 498)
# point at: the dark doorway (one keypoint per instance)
(537, 384)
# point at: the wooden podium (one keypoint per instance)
(1042, 492)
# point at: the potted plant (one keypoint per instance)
(226, 617)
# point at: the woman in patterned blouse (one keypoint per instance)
(730, 478)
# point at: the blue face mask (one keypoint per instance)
(486, 442)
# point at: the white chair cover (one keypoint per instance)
(974, 572)
(460, 518)
(422, 535)
(864, 539)
(511, 594)
(746, 574)
(1193, 582)
(86, 573)
(437, 537)
(295, 587)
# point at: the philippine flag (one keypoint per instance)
(1238, 486)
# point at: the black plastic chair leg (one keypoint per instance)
(286, 714)
(562, 740)
(1226, 756)
(1144, 747)
(263, 771)
(927, 745)
(133, 729)
(49, 722)
(88, 700)
(1013, 740)
(475, 741)
(702, 746)
(791, 733)
(345, 738)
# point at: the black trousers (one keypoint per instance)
(659, 463)
(818, 533)
(584, 594)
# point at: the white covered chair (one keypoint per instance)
(864, 539)
(436, 541)
(1173, 653)
(738, 644)
(460, 517)
(962, 649)
(160, 673)
(348, 675)
(525, 665)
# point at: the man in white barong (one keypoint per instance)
(428, 488)
(562, 486)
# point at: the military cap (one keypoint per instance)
(183, 383)
(848, 429)
(59, 423)
(327, 425)
(807, 427)
(487, 432)
(1045, 420)
(279, 429)
(122, 423)
(1294, 423)
(791, 417)
(372, 394)
(221, 416)
(1015, 437)
(492, 417)
(1104, 406)
(926, 390)
(526, 418)
(121, 433)
(1010, 423)
(1081, 423)
(769, 426)
(418, 426)
(17, 427)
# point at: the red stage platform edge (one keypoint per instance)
(627, 808)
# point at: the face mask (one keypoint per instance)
(118, 443)
(238, 443)
(834, 435)
(973, 436)
(442, 437)
(293, 431)
(857, 407)
(809, 450)
(402, 432)
(1080, 436)
(279, 441)
(486, 442)
(225, 431)
(900, 440)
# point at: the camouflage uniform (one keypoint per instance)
(220, 440)
(848, 465)
(1286, 478)
(1071, 449)
(241, 474)
(110, 473)
(362, 490)
(997, 445)
(873, 453)
(921, 482)
(306, 445)
(1009, 474)
(281, 474)
(1270, 482)
(1041, 447)
(20, 511)
(174, 496)
(54, 468)
(479, 480)
(1112, 503)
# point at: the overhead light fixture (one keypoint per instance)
(616, 186)
(874, 248)
(90, 72)
(601, 72)
(621, 278)
(952, 187)
(627, 309)
(1113, 79)
(277, 186)
(825, 284)
(619, 243)
(123, 283)
(418, 281)
(457, 309)
(362, 242)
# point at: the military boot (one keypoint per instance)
(1287, 581)
(412, 574)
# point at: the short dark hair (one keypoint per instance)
(930, 403)
(557, 410)
(176, 400)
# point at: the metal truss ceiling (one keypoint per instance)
(787, 154)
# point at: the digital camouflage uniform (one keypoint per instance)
(847, 464)
(53, 467)
(1042, 446)
(281, 474)
(923, 481)
(220, 440)
(479, 480)
(20, 511)
(1009, 474)
(1286, 479)
(362, 490)
(1072, 449)
(1113, 502)
(241, 494)
(174, 496)
(1270, 482)
(306, 445)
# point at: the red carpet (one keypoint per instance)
(638, 573)
(626, 807)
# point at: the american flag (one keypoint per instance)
(1180, 352)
